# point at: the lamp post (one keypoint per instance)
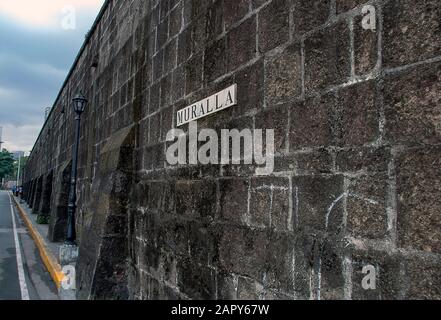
(79, 104)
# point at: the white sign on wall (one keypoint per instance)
(217, 102)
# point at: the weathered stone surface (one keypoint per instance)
(423, 279)
(318, 202)
(311, 122)
(234, 199)
(327, 58)
(193, 74)
(388, 283)
(355, 180)
(196, 198)
(250, 81)
(277, 120)
(365, 47)
(215, 20)
(418, 188)
(317, 161)
(215, 61)
(309, 14)
(280, 262)
(241, 44)
(195, 281)
(346, 5)
(248, 289)
(226, 287)
(235, 11)
(175, 20)
(243, 251)
(413, 115)
(363, 159)
(411, 31)
(360, 114)
(366, 207)
(283, 75)
(273, 25)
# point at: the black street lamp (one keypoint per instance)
(79, 103)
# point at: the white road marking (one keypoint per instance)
(21, 275)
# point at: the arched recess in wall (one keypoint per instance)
(44, 212)
(37, 197)
(58, 212)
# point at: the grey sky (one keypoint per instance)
(35, 57)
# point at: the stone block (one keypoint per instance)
(327, 58)
(158, 65)
(368, 159)
(365, 46)
(226, 287)
(215, 60)
(234, 199)
(366, 207)
(170, 52)
(423, 279)
(277, 120)
(411, 31)
(388, 275)
(166, 91)
(175, 20)
(273, 25)
(317, 161)
(235, 11)
(178, 84)
(215, 20)
(249, 289)
(243, 251)
(360, 114)
(280, 262)
(310, 14)
(196, 281)
(419, 204)
(162, 34)
(283, 75)
(250, 81)
(412, 103)
(311, 122)
(331, 278)
(184, 45)
(196, 198)
(193, 74)
(241, 44)
(318, 202)
(269, 202)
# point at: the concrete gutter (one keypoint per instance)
(48, 258)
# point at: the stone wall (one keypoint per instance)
(357, 119)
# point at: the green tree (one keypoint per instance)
(6, 164)
(23, 161)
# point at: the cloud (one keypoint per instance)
(34, 60)
(20, 138)
(43, 13)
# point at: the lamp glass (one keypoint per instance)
(79, 103)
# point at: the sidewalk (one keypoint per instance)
(49, 251)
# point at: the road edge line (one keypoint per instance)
(52, 266)
(20, 270)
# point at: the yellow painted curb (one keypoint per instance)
(48, 258)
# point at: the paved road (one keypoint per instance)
(22, 273)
